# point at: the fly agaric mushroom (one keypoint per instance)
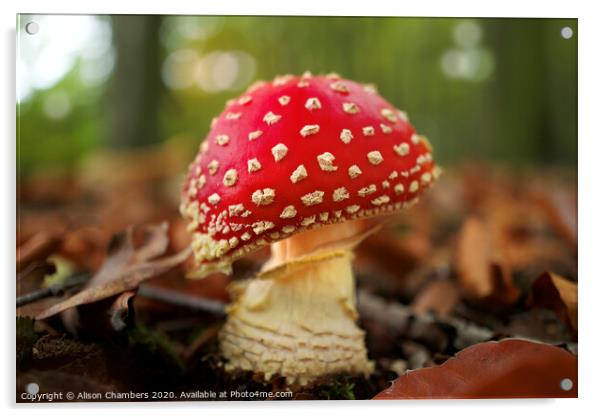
(299, 163)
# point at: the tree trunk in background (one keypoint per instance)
(535, 91)
(519, 91)
(136, 83)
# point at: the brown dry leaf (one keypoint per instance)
(122, 251)
(37, 248)
(558, 294)
(394, 251)
(522, 233)
(482, 272)
(120, 310)
(30, 278)
(439, 296)
(125, 268)
(395, 262)
(559, 205)
(86, 246)
(511, 368)
(479, 180)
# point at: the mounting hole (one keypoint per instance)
(32, 28)
(566, 32)
(32, 388)
(566, 384)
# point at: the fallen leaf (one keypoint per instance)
(31, 277)
(482, 272)
(395, 251)
(37, 248)
(125, 269)
(124, 281)
(559, 205)
(537, 324)
(391, 258)
(86, 246)
(122, 252)
(36, 271)
(511, 368)
(439, 296)
(522, 233)
(155, 244)
(558, 294)
(121, 311)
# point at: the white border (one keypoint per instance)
(590, 68)
(468, 8)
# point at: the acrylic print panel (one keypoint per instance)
(208, 213)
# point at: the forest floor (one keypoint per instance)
(103, 306)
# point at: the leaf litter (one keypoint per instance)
(486, 256)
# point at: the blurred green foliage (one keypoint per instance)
(44, 142)
(488, 89)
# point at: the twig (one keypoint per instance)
(53, 290)
(400, 318)
(191, 302)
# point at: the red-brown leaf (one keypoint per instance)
(508, 369)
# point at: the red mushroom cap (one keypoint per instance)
(296, 153)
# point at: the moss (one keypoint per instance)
(152, 346)
(339, 390)
(26, 338)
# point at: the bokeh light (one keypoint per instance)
(225, 70)
(469, 60)
(179, 67)
(467, 34)
(177, 30)
(44, 58)
(57, 105)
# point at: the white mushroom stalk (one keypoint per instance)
(298, 318)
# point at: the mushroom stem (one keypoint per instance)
(298, 317)
(318, 239)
